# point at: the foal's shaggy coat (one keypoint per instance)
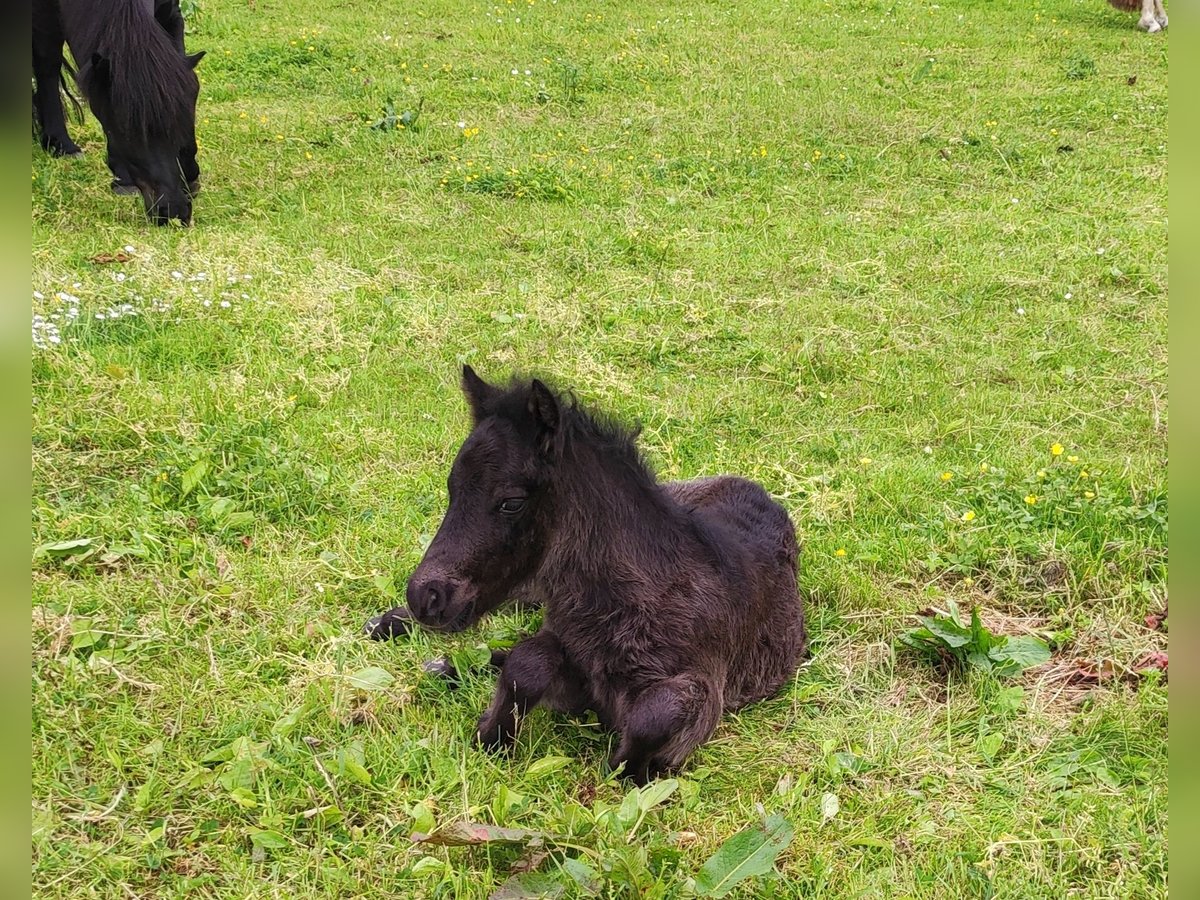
(662, 608)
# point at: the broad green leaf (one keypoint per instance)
(829, 806)
(83, 635)
(750, 852)
(980, 660)
(547, 764)
(422, 816)
(955, 615)
(1010, 699)
(505, 802)
(144, 795)
(287, 723)
(989, 745)
(372, 678)
(352, 762)
(980, 636)
(193, 476)
(655, 793)
(871, 842)
(628, 812)
(426, 865)
(268, 840)
(583, 875)
(468, 659)
(243, 797)
(1024, 650)
(850, 762)
(528, 886)
(950, 633)
(63, 549)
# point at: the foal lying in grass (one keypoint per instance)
(663, 608)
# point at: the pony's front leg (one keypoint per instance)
(663, 724)
(47, 102)
(1149, 21)
(531, 671)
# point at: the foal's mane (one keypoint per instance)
(151, 82)
(580, 427)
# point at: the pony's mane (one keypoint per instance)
(579, 426)
(152, 83)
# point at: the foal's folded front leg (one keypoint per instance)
(532, 669)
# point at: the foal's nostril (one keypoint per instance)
(428, 600)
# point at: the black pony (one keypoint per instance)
(663, 608)
(139, 83)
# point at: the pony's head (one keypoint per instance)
(501, 506)
(144, 94)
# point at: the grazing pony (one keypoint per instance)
(1154, 17)
(139, 83)
(663, 608)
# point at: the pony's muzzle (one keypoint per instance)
(162, 213)
(439, 603)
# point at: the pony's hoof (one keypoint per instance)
(1149, 25)
(123, 188)
(1162, 21)
(389, 625)
(494, 738)
(444, 669)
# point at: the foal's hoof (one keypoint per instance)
(389, 625)
(444, 669)
(123, 188)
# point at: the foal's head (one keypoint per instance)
(501, 506)
(144, 92)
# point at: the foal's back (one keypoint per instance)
(766, 636)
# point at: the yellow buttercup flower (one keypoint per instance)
(840, 551)
(1089, 494)
(1032, 499)
(1072, 459)
(1056, 449)
(946, 476)
(968, 516)
(865, 460)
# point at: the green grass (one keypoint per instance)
(841, 249)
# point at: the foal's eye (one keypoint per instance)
(512, 505)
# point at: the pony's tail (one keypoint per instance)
(66, 77)
(1127, 5)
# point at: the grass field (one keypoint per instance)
(880, 256)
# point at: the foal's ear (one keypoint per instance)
(478, 392)
(193, 59)
(543, 406)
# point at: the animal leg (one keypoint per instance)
(443, 668)
(664, 724)
(1160, 13)
(1148, 21)
(530, 672)
(122, 182)
(47, 102)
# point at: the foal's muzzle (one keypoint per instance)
(439, 603)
